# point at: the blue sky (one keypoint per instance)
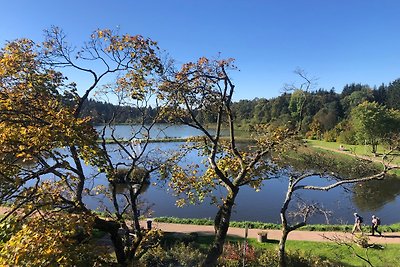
(336, 41)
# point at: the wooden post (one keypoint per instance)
(246, 231)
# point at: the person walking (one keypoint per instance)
(375, 223)
(357, 223)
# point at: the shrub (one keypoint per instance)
(234, 252)
(347, 137)
(361, 240)
(330, 136)
(179, 254)
(232, 257)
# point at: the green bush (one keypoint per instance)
(347, 137)
(330, 136)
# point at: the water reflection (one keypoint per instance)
(374, 195)
(380, 197)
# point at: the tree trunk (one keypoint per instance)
(221, 229)
(112, 227)
(282, 243)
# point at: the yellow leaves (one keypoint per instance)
(17, 59)
(180, 202)
(44, 240)
(35, 120)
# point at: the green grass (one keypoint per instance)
(359, 150)
(387, 255)
(355, 149)
(379, 255)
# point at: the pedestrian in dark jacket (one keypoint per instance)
(375, 223)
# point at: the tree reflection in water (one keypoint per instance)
(373, 195)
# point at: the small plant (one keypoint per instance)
(235, 253)
(178, 254)
(361, 240)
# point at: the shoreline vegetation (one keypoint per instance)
(265, 226)
(359, 151)
(333, 147)
(168, 139)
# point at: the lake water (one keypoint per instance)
(381, 198)
(158, 131)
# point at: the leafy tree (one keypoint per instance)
(57, 239)
(280, 106)
(392, 135)
(45, 141)
(356, 98)
(315, 131)
(296, 105)
(348, 89)
(262, 111)
(205, 84)
(380, 94)
(327, 116)
(243, 110)
(299, 97)
(371, 121)
(393, 95)
(335, 172)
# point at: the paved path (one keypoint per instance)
(273, 234)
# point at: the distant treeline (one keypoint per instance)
(326, 107)
(103, 112)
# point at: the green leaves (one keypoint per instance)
(371, 121)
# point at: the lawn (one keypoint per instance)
(384, 256)
(360, 150)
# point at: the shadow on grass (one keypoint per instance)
(271, 241)
(205, 240)
(376, 246)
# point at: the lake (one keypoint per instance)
(381, 198)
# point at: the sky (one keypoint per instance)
(337, 42)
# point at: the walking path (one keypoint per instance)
(346, 152)
(274, 234)
(387, 238)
